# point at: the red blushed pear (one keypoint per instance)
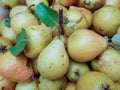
(15, 68)
(68, 3)
(84, 45)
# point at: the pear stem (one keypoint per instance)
(36, 80)
(60, 27)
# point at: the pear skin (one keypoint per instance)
(93, 80)
(108, 62)
(15, 68)
(53, 61)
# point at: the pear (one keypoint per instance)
(15, 68)
(83, 45)
(70, 86)
(5, 45)
(6, 84)
(108, 62)
(93, 80)
(38, 36)
(31, 85)
(53, 61)
(46, 84)
(76, 69)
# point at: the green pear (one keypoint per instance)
(38, 37)
(46, 84)
(31, 85)
(93, 80)
(5, 45)
(76, 69)
(108, 62)
(6, 84)
(53, 61)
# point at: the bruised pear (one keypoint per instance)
(83, 45)
(108, 62)
(38, 36)
(93, 80)
(53, 61)
(106, 20)
(6, 84)
(15, 68)
(46, 84)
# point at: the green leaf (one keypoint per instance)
(7, 23)
(47, 15)
(21, 41)
(116, 39)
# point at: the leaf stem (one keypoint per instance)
(60, 27)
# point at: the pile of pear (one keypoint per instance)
(79, 59)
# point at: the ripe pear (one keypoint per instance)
(108, 62)
(53, 61)
(106, 20)
(46, 84)
(70, 86)
(5, 45)
(15, 68)
(23, 20)
(83, 45)
(6, 84)
(31, 85)
(38, 36)
(76, 69)
(93, 80)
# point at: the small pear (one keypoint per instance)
(93, 80)
(6, 84)
(46, 84)
(31, 85)
(76, 69)
(108, 62)
(53, 61)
